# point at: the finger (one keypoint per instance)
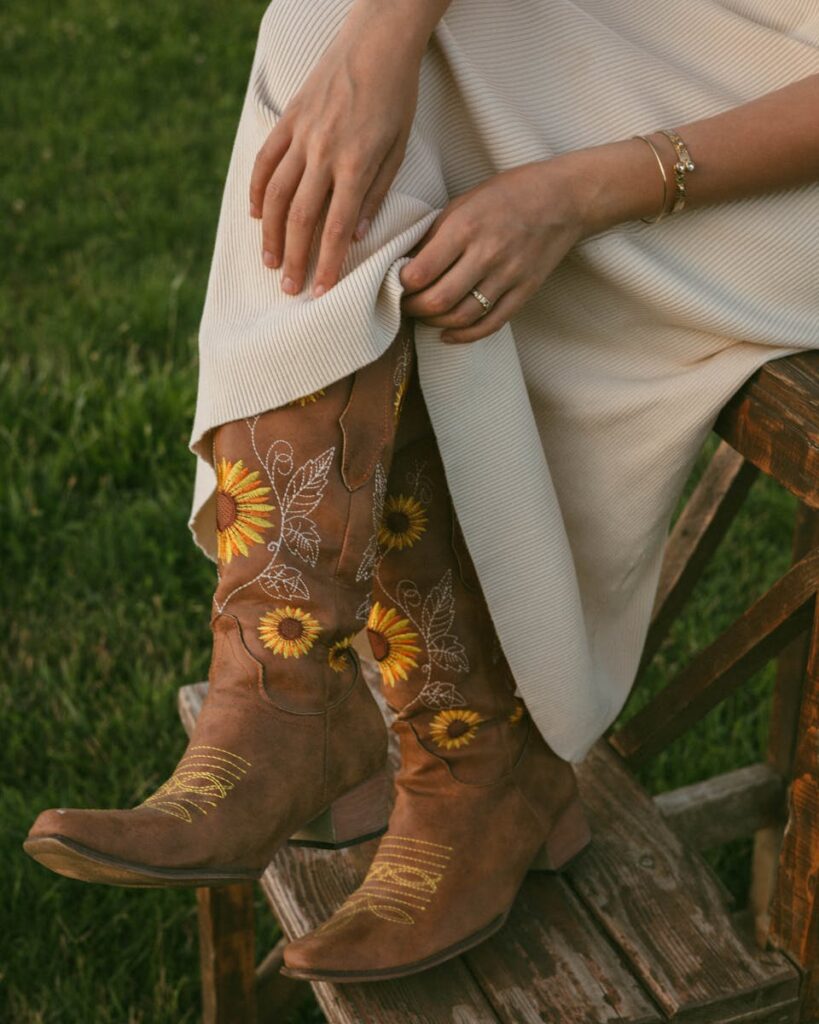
(468, 310)
(438, 302)
(266, 162)
(375, 194)
(277, 196)
(337, 233)
(504, 309)
(435, 258)
(302, 220)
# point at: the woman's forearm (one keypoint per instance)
(768, 144)
(405, 26)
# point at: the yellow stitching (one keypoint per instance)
(385, 890)
(407, 857)
(205, 746)
(396, 899)
(193, 765)
(410, 851)
(192, 783)
(424, 881)
(208, 758)
(425, 842)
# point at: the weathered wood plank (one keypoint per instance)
(304, 886)
(227, 954)
(782, 613)
(725, 807)
(773, 421)
(657, 902)
(551, 963)
(697, 532)
(795, 911)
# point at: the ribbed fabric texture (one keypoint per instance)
(568, 434)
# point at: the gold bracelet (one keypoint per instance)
(658, 158)
(684, 163)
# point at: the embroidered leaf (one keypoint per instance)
(438, 612)
(439, 696)
(306, 486)
(379, 495)
(363, 611)
(302, 537)
(448, 652)
(368, 560)
(284, 582)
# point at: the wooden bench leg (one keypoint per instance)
(278, 997)
(782, 739)
(227, 952)
(795, 911)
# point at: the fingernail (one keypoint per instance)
(361, 229)
(255, 211)
(289, 285)
(267, 257)
(319, 290)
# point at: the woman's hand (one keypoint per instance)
(503, 237)
(341, 139)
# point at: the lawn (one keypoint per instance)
(117, 122)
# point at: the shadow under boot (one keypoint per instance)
(290, 743)
(480, 797)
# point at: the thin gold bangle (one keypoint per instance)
(658, 158)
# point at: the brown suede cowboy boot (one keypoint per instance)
(289, 743)
(480, 797)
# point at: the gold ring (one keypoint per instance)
(487, 305)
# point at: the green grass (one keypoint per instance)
(116, 124)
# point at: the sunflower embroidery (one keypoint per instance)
(454, 728)
(307, 399)
(403, 522)
(290, 632)
(337, 656)
(517, 714)
(240, 508)
(393, 643)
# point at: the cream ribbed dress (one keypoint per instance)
(568, 434)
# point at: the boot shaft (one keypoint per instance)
(442, 668)
(298, 502)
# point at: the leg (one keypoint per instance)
(288, 727)
(479, 796)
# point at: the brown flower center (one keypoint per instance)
(457, 728)
(291, 629)
(379, 644)
(225, 510)
(398, 522)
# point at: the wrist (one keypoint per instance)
(615, 183)
(411, 21)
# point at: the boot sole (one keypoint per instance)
(73, 860)
(387, 973)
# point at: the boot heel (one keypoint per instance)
(570, 834)
(358, 815)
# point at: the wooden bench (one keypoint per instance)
(638, 929)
